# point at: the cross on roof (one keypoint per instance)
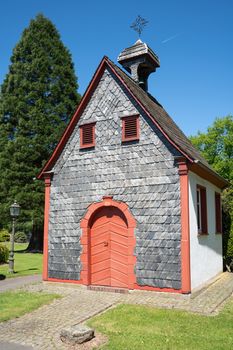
(139, 24)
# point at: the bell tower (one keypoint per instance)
(140, 61)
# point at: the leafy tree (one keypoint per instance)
(37, 99)
(217, 147)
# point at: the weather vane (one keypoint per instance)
(139, 24)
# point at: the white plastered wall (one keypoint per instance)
(205, 250)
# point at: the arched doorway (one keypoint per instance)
(109, 248)
(108, 245)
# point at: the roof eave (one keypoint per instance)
(208, 174)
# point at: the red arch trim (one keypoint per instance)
(85, 239)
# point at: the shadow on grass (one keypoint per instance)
(2, 277)
(25, 251)
(20, 251)
(21, 271)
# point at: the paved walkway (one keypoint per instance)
(40, 329)
(17, 282)
(12, 346)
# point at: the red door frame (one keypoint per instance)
(85, 239)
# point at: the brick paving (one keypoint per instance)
(41, 328)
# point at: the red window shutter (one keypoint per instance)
(87, 135)
(199, 210)
(130, 128)
(218, 216)
(204, 226)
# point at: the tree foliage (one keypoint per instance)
(216, 145)
(37, 99)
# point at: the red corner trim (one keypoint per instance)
(86, 97)
(185, 235)
(47, 180)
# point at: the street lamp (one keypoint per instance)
(14, 211)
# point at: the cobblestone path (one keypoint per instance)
(41, 328)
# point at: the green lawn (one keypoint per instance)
(15, 304)
(25, 263)
(132, 327)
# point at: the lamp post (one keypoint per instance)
(14, 211)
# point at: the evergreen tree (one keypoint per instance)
(37, 99)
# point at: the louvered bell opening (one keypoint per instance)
(130, 128)
(87, 135)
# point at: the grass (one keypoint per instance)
(15, 304)
(131, 327)
(25, 263)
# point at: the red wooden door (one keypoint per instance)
(109, 249)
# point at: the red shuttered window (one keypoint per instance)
(130, 128)
(87, 135)
(202, 210)
(218, 213)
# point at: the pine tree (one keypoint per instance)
(37, 99)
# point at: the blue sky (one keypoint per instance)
(193, 39)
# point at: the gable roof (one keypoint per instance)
(153, 109)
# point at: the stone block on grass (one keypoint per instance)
(76, 334)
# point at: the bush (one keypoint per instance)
(4, 254)
(21, 237)
(4, 235)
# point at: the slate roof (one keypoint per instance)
(161, 117)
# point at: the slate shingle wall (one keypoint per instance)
(141, 174)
